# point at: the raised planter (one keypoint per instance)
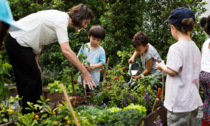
(150, 118)
(54, 97)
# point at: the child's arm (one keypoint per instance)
(101, 63)
(147, 70)
(163, 67)
(135, 54)
(94, 66)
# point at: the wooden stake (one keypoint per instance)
(84, 87)
(106, 68)
(69, 104)
(72, 84)
(162, 94)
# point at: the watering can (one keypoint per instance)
(134, 70)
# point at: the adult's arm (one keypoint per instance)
(71, 56)
(37, 59)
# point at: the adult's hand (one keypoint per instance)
(37, 61)
(39, 68)
(88, 80)
(70, 55)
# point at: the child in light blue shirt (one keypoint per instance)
(95, 53)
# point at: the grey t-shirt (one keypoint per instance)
(151, 53)
(94, 56)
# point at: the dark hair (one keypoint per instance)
(188, 24)
(205, 24)
(140, 38)
(3, 31)
(97, 31)
(79, 13)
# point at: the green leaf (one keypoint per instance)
(41, 97)
(7, 65)
(1, 70)
(1, 86)
(44, 115)
(5, 120)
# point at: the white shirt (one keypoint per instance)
(182, 90)
(43, 28)
(205, 60)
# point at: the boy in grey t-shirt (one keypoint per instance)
(95, 53)
(148, 54)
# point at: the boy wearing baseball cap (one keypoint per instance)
(182, 97)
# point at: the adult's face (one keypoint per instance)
(84, 24)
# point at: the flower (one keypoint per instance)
(98, 94)
(146, 96)
(158, 122)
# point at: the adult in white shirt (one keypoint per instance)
(43, 28)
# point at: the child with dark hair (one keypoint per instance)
(95, 53)
(148, 54)
(182, 97)
(205, 72)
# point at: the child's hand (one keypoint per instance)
(85, 65)
(131, 60)
(91, 67)
(135, 77)
(161, 65)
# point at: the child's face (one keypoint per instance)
(142, 49)
(94, 42)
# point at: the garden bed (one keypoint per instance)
(152, 117)
(76, 101)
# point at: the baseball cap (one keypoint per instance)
(178, 14)
(6, 16)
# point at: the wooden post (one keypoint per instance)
(69, 104)
(84, 87)
(157, 99)
(106, 68)
(162, 94)
(72, 84)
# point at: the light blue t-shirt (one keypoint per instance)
(94, 56)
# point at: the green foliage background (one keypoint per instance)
(121, 19)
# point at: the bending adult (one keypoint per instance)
(43, 28)
(6, 19)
